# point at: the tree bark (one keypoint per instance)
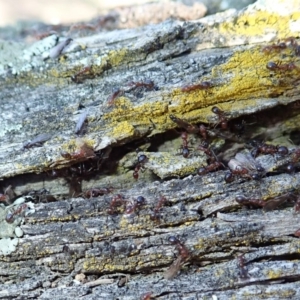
(89, 248)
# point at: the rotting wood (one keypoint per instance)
(69, 237)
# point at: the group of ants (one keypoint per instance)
(243, 165)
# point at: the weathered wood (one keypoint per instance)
(76, 247)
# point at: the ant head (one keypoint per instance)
(140, 200)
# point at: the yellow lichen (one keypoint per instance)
(274, 274)
(258, 23)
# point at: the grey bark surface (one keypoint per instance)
(124, 256)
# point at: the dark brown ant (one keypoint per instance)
(185, 149)
(184, 255)
(172, 271)
(41, 195)
(262, 148)
(185, 125)
(242, 266)
(8, 196)
(3, 198)
(38, 141)
(297, 233)
(201, 86)
(142, 159)
(295, 156)
(244, 165)
(242, 200)
(162, 200)
(149, 84)
(209, 168)
(115, 202)
(277, 201)
(297, 205)
(290, 168)
(189, 127)
(10, 217)
(221, 115)
(115, 94)
(95, 192)
(203, 131)
(182, 249)
(297, 50)
(243, 172)
(267, 205)
(207, 151)
(77, 77)
(137, 204)
(274, 47)
(82, 26)
(280, 67)
(281, 45)
(147, 296)
(84, 152)
(40, 36)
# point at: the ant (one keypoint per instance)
(221, 115)
(146, 296)
(3, 197)
(40, 36)
(84, 152)
(138, 202)
(276, 47)
(142, 159)
(280, 45)
(162, 200)
(280, 67)
(76, 78)
(95, 192)
(297, 50)
(185, 149)
(182, 249)
(206, 150)
(277, 201)
(269, 149)
(244, 165)
(185, 125)
(149, 84)
(81, 27)
(8, 196)
(209, 168)
(10, 217)
(209, 152)
(116, 201)
(267, 205)
(242, 266)
(189, 127)
(295, 155)
(115, 94)
(201, 86)
(184, 254)
(203, 131)
(297, 205)
(297, 233)
(41, 195)
(242, 200)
